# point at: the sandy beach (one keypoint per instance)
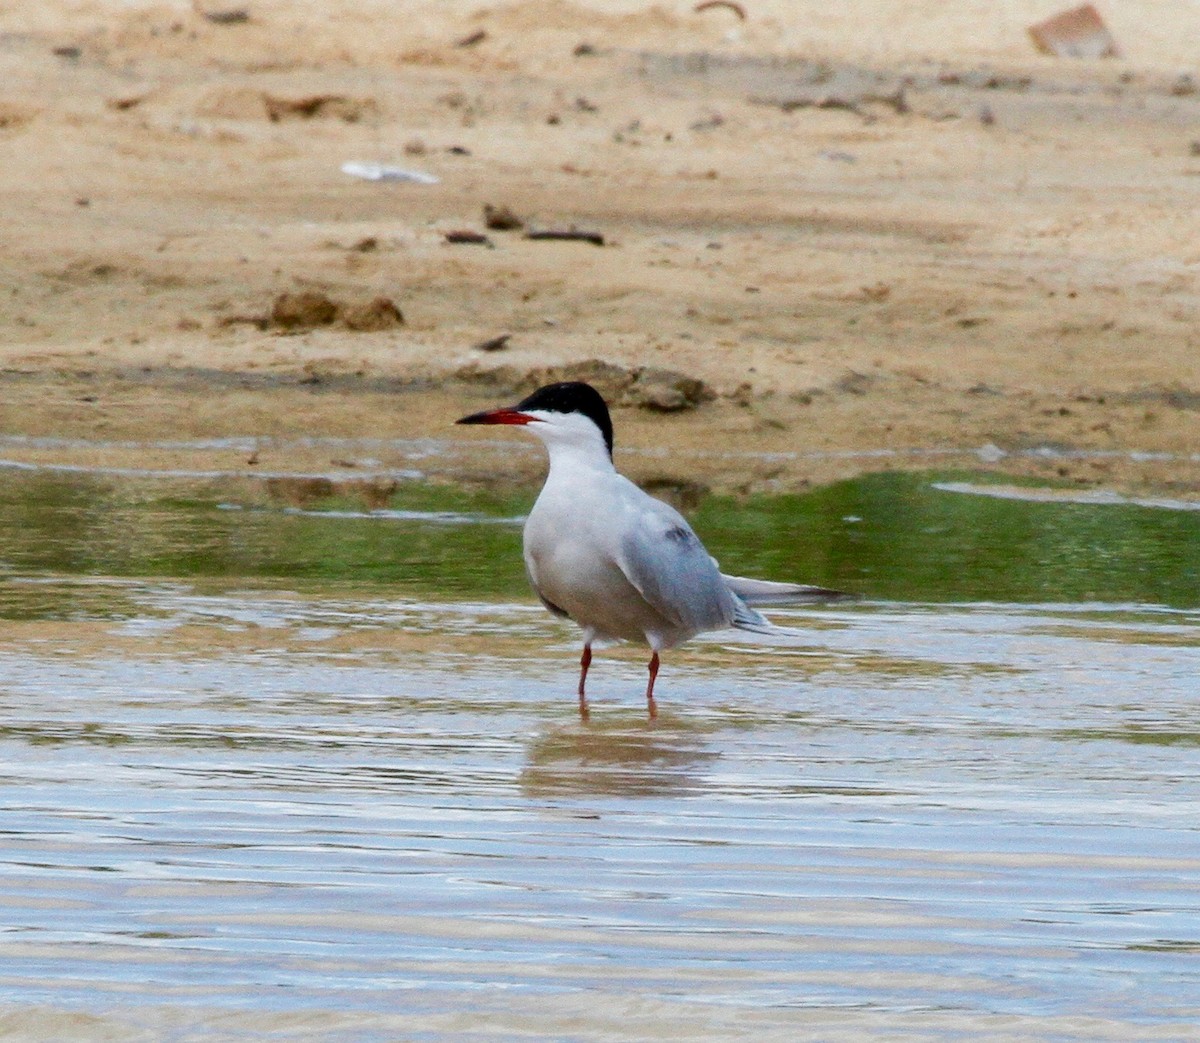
(879, 226)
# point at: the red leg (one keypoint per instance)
(650, 705)
(585, 661)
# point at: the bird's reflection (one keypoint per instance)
(616, 759)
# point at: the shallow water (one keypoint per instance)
(269, 773)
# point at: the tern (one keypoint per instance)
(621, 564)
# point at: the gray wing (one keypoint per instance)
(667, 563)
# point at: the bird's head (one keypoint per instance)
(569, 414)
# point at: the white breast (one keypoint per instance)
(571, 559)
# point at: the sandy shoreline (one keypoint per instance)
(915, 235)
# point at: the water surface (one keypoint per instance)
(277, 770)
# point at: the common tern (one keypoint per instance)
(621, 564)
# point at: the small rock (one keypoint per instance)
(317, 106)
(667, 391)
(501, 218)
(494, 343)
(301, 311)
(373, 316)
(1184, 85)
(854, 383)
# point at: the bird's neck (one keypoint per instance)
(568, 459)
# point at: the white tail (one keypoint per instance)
(765, 592)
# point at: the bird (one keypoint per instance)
(620, 563)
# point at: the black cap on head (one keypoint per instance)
(573, 396)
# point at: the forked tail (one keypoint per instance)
(766, 592)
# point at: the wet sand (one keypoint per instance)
(858, 229)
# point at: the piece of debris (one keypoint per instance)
(853, 100)
(371, 316)
(366, 245)
(458, 150)
(313, 106)
(567, 235)
(729, 5)
(69, 52)
(583, 105)
(986, 116)
(229, 16)
(382, 172)
(415, 147)
(585, 50)
(494, 343)
(501, 218)
(303, 311)
(471, 39)
(709, 122)
(468, 237)
(1077, 33)
(130, 101)
(260, 322)
(1184, 86)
